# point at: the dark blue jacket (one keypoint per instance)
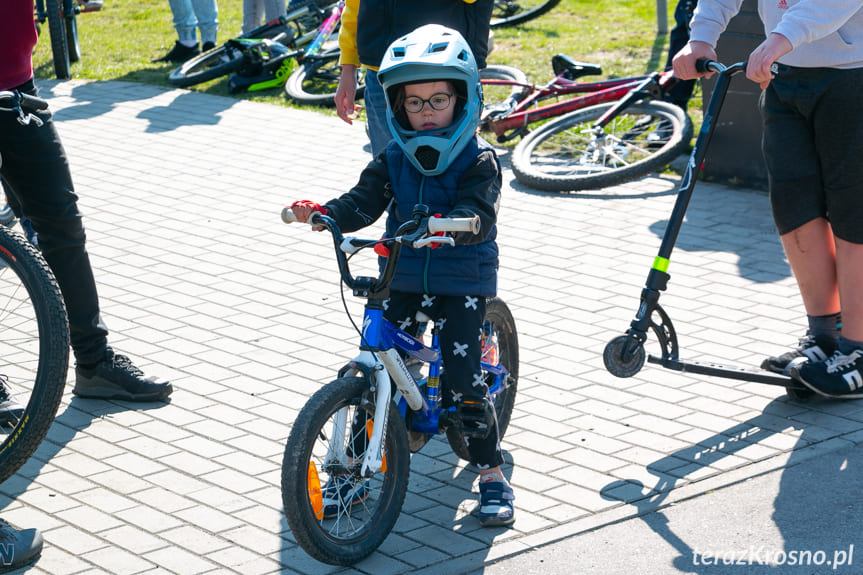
(470, 186)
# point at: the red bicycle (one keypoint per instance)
(610, 131)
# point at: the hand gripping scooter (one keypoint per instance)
(624, 355)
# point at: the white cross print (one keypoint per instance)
(406, 323)
(386, 304)
(439, 323)
(459, 349)
(456, 397)
(427, 300)
(478, 380)
(470, 302)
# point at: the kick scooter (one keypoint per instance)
(624, 355)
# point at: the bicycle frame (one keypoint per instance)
(511, 122)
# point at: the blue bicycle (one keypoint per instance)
(347, 459)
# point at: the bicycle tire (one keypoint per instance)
(500, 317)
(34, 345)
(212, 64)
(562, 155)
(336, 540)
(59, 44)
(315, 82)
(72, 39)
(514, 12)
(496, 94)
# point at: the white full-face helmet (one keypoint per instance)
(428, 54)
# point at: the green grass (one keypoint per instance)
(119, 42)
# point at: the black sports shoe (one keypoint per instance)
(207, 46)
(10, 410)
(809, 349)
(840, 376)
(179, 53)
(21, 546)
(116, 377)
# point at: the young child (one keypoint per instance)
(434, 99)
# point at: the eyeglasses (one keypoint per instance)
(439, 102)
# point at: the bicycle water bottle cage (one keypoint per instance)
(563, 64)
(471, 418)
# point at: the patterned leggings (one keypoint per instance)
(459, 319)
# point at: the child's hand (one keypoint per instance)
(303, 209)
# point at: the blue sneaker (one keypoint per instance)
(495, 503)
(340, 493)
(840, 376)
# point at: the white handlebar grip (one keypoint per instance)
(288, 215)
(454, 225)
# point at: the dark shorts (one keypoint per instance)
(813, 147)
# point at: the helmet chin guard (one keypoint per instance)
(428, 54)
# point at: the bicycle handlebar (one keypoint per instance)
(417, 232)
(704, 65)
(10, 100)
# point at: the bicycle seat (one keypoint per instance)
(563, 64)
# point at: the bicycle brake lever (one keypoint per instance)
(434, 240)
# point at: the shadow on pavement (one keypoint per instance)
(809, 509)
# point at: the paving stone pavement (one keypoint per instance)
(201, 283)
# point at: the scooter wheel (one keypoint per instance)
(799, 395)
(623, 356)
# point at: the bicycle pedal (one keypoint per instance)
(472, 419)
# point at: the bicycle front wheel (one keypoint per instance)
(567, 154)
(316, 81)
(210, 65)
(336, 515)
(499, 325)
(59, 44)
(34, 347)
(514, 12)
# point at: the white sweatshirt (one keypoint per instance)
(823, 33)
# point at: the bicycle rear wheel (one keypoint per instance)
(499, 323)
(513, 12)
(513, 85)
(34, 349)
(59, 44)
(316, 81)
(566, 154)
(336, 515)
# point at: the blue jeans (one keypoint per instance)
(191, 14)
(376, 113)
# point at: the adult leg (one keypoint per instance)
(185, 21)
(252, 10)
(376, 113)
(36, 172)
(811, 253)
(849, 263)
(207, 15)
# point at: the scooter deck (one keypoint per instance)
(728, 371)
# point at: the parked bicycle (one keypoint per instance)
(515, 12)
(34, 333)
(609, 131)
(357, 429)
(61, 16)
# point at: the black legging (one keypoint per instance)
(460, 320)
